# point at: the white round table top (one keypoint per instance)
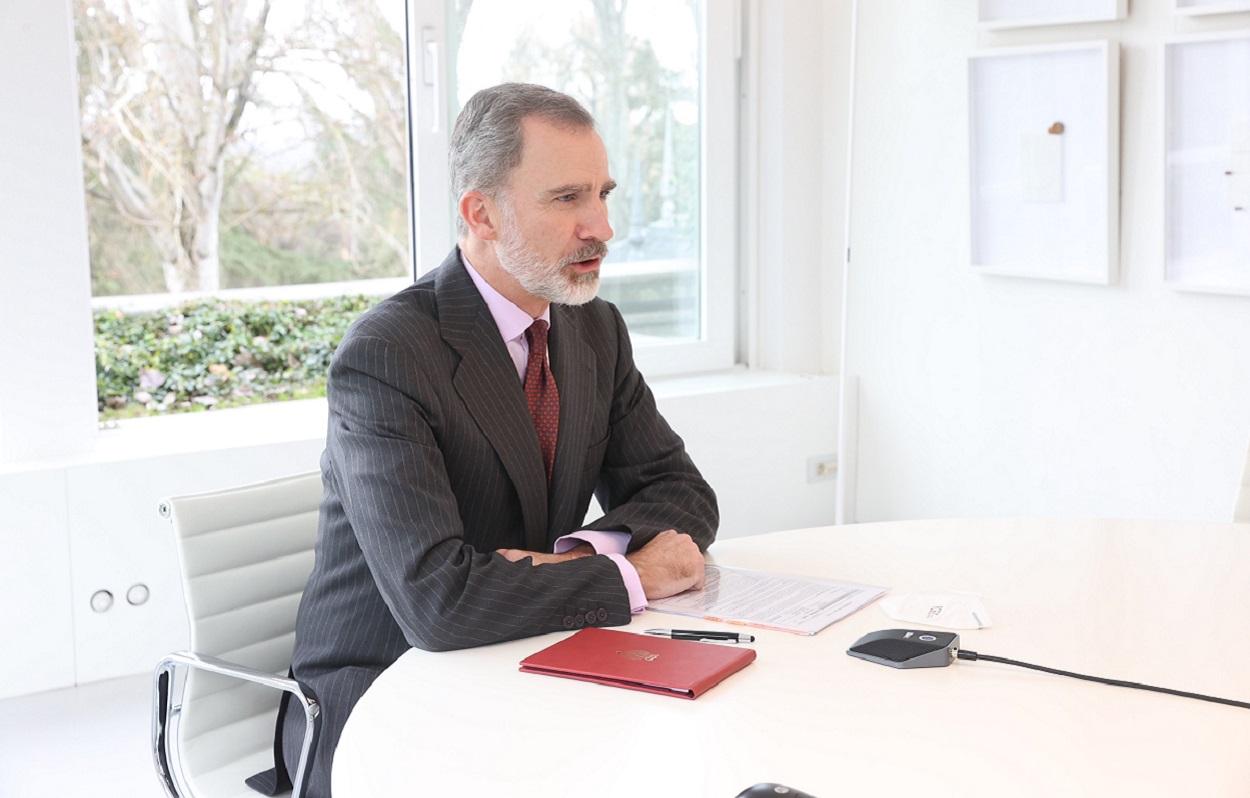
(1162, 603)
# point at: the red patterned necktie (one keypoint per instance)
(541, 394)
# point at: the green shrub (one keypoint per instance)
(217, 353)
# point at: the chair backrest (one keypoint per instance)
(1241, 512)
(245, 555)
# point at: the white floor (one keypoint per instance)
(91, 740)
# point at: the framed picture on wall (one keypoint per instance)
(1207, 161)
(1043, 161)
(1195, 8)
(1001, 14)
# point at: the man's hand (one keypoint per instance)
(539, 558)
(670, 563)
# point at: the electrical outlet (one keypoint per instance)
(821, 467)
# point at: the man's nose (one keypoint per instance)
(596, 224)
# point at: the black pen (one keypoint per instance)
(696, 634)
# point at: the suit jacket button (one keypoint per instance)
(568, 621)
(579, 621)
(602, 614)
(590, 617)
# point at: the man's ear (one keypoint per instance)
(480, 214)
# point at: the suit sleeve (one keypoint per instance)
(388, 471)
(648, 483)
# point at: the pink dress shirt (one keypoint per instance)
(512, 323)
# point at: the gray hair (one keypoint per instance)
(486, 141)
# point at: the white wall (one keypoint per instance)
(752, 442)
(44, 283)
(987, 395)
(39, 416)
(36, 621)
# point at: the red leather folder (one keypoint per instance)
(681, 668)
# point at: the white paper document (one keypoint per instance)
(798, 604)
(947, 610)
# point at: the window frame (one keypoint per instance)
(432, 227)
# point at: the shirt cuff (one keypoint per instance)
(629, 575)
(601, 542)
(613, 546)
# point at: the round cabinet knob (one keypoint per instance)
(101, 600)
(137, 594)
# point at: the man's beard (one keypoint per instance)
(554, 281)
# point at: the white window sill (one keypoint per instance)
(237, 428)
(305, 420)
(739, 378)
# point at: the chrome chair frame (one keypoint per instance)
(169, 685)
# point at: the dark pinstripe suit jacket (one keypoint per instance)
(432, 462)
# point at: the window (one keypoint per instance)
(231, 151)
(246, 168)
(658, 76)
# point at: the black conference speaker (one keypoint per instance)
(907, 648)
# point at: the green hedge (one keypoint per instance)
(217, 353)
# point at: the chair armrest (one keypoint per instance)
(169, 684)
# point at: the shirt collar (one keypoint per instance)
(510, 319)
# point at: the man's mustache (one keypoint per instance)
(595, 249)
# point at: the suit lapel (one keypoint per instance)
(486, 381)
(573, 366)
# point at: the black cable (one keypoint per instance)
(974, 656)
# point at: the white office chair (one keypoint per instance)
(245, 555)
(1241, 511)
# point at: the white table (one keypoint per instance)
(1161, 603)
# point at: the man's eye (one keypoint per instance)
(566, 198)
(604, 194)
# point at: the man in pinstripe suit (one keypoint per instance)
(456, 476)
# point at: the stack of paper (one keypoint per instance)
(802, 605)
